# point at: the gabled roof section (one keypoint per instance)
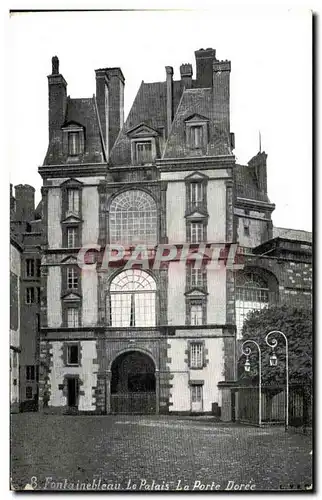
(142, 130)
(247, 184)
(196, 103)
(149, 108)
(80, 112)
(196, 118)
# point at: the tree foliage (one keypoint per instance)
(296, 324)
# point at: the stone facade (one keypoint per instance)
(176, 150)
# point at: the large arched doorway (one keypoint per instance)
(133, 384)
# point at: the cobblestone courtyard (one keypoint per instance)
(154, 453)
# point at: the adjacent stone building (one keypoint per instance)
(25, 260)
(154, 339)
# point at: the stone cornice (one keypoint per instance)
(247, 202)
(200, 163)
(75, 170)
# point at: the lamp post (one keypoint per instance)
(247, 351)
(273, 362)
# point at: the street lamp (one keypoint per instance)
(247, 351)
(273, 362)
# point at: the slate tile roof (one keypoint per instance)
(292, 234)
(247, 185)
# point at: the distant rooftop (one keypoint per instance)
(292, 234)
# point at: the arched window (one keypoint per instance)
(132, 303)
(133, 219)
(252, 293)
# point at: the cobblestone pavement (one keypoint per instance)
(151, 453)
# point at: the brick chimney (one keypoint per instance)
(115, 103)
(221, 90)
(186, 75)
(57, 93)
(169, 83)
(25, 202)
(204, 62)
(102, 103)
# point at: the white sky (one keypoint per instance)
(270, 52)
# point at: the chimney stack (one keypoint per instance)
(57, 94)
(186, 75)
(115, 103)
(204, 62)
(102, 103)
(169, 73)
(25, 202)
(221, 90)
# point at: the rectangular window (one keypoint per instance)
(196, 234)
(73, 200)
(28, 392)
(72, 278)
(72, 355)
(143, 152)
(196, 136)
(72, 317)
(30, 372)
(72, 237)
(196, 314)
(38, 264)
(196, 193)
(196, 355)
(196, 277)
(246, 230)
(30, 268)
(30, 295)
(196, 393)
(73, 143)
(38, 295)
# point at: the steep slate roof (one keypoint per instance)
(196, 101)
(82, 112)
(292, 234)
(247, 185)
(149, 107)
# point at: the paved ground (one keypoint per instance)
(154, 453)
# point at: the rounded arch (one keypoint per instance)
(133, 218)
(132, 349)
(132, 299)
(133, 382)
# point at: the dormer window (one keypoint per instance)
(73, 140)
(196, 139)
(197, 132)
(73, 143)
(143, 152)
(144, 141)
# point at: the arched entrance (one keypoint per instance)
(133, 384)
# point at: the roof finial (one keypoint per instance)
(260, 141)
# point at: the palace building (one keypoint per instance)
(154, 339)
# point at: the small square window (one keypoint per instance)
(196, 235)
(73, 200)
(196, 314)
(196, 193)
(30, 268)
(72, 233)
(30, 295)
(28, 392)
(73, 143)
(246, 230)
(196, 277)
(72, 355)
(72, 278)
(196, 355)
(72, 317)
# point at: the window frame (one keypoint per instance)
(141, 140)
(30, 372)
(67, 347)
(76, 312)
(33, 295)
(30, 267)
(29, 392)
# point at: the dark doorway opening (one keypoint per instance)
(133, 386)
(72, 391)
